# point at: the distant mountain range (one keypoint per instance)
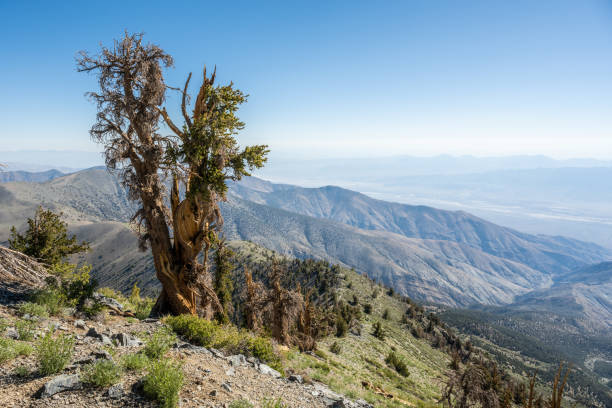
(28, 176)
(433, 255)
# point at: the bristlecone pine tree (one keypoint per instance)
(46, 238)
(281, 307)
(223, 284)
(197, 159)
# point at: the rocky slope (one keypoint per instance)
(19, 274)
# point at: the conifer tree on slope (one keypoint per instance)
(198, 158)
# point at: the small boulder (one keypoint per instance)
(59, 384)
(107, 301)
(216, 353)
(116, 391)
(80, 324)
(296, 378)
(125, 340)
(99, 336)
(12, 333)
(237, 360)
(266, 369)
(226, 387)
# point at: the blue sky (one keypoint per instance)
(337, 79)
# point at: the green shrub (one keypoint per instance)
(159, 343)
(134, 361)
(378, 331)
(25, 329)
(33, 309)
(4, 323)
(335, 348)
(386, 314)
(22, 348)
(206, 333)
(7, 351)
(22, 371)
(51, 299)
(397, 363)
(143, 308)
(102, 373)
(241, 403)
(198, 331)
(54, 354)
(163, 382)
(367, 308)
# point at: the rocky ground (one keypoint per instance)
(211, 379)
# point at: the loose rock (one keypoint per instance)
(59, 384)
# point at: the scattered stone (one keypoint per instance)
(231, 372)
(329, 396)
(116, 391)
(102, 355)
(226, 387)
(125, 340)
(216, 353)
(237, 360)
(191, 347)
(254, 361)
(106, 301)
(213, 393)
(363, 404)
(99, 336)
(12, 333)
(296, 378)
(150, 320)
(266, 369)
(80, 324)
(59, 384)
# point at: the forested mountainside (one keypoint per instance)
(519, 352)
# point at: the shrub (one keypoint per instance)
(241, 403)
(397, 363)
(25, 329)
(134, 361)
(262, 348)
(143, 308)
(51, 299)
(341, 327)
(163, 382)
(378, 331)
(159, 343)
(386, 314)
(22, 371)
(33, 309)
(206, 333)
(22, 348)
(54, 354)
(335, 348)
(102, 373)
(7, 351)
(367, 308)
